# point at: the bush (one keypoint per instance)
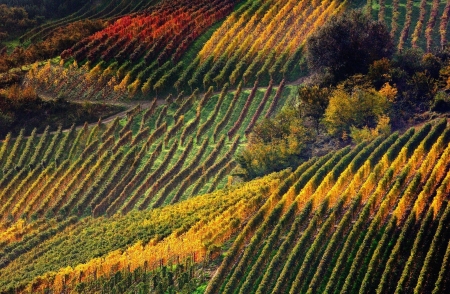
(441, 102)
(380, 72)
(275, 144)
(358, 108)
(313, 101)
(409, 60)
(5, 122)
(365, 134)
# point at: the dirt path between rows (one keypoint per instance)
(127, 104)
(145, 104)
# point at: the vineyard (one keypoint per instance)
(153, 238)
(422, 24)
(380, 206)
(262, 40)
(158, 198)
(147, 54)
(153, 157)
(370, 219)
(106, 10)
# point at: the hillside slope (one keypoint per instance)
(161, 50)
(418, 24)
(380, 206)
(148, 202)
(373, 219)
(153, 157)
(65, 253)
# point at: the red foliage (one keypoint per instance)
(156, 31)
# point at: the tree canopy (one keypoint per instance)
(348, 44)
(275, 144)
(13, 20)
(360, 108)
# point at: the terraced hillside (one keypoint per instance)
(372, 218)
(161, 50)
(419, 23)
(151, 158)
(146, 201)
(105, 10)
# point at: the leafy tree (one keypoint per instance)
(14, 21)
(380, 72)
(348, 44)
(366, 134)
(275, 144)
(432, 64)
(358, 108)
(416, 77)
(390, 92)
(313, 101)
(422, 87)
(409, 60)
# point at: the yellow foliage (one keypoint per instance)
(123, 84)
(17, 94)
(95, 72)
(146, 87)
(357, 109)
(277, 28)
(388, 91)
(133, 87)
(213, 229)
(86, 66)
(366, 134)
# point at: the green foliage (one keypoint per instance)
(372, 225)
(275, 144)
(348, 44)
(348, 238)
(365, 134)
(5, 122)
(313, 101)
(97, 237)
(181, 278)
(360, 108)
(441, 102)
(334, 236)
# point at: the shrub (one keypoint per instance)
(441, 102)
(365, 134)
(359, 108)
(275, 144)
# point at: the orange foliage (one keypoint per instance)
(200, 240)
(54, 44)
